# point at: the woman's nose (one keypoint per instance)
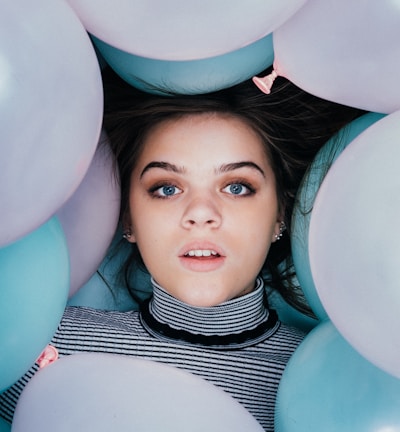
(201, 211)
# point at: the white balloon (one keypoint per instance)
(344, 51)
(90, 217)
(106, 392)
(182, 29)
(354, 243)
(51, 106)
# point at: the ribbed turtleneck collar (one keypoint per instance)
(244, 319)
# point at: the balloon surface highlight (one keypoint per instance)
(182, 30)
(34, 281)
(50, 111)
(303, 208)
(106, 392)
(328, 386)
(355, 243)
(344, 51)
(90, 217)
(192, 76)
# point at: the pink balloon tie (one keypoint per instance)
(49, 355)
(265, 83)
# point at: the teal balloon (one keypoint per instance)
(192, 76)
(305, 200)
(327, 386)
(34, 285)
(4, 426)
(289, 315)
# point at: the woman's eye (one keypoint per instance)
(166, 191)
(238, 189)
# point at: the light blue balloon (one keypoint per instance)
(189, 77)
(305, 200)
(327, 386)
(34, 285)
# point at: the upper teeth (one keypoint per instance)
(201, 252)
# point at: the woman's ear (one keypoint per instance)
(127, 229)
(278, 232)
(128, 235)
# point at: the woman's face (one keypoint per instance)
(203, 207)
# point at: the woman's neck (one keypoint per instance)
(237, 323)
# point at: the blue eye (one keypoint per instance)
(238, 189)
(168, 190)
(165, 191)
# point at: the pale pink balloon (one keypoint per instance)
(182, 30)
(107, 392)
(344, 51)
(51, 107)
(90, 217)
(354, 243)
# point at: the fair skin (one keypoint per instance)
(203, 207)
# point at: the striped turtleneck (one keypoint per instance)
(239, 345)
(240, 322)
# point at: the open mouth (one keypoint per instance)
(202, 260)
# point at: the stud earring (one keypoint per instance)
(282, 228)
(127, 234)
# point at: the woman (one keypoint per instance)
(208, 184)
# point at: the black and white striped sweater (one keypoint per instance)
(240, 346)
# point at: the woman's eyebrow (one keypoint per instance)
(163, 165)
(236, 165)
(222, 169)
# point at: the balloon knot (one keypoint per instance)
(265, 83)
(49, 355)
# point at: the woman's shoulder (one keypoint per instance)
(84, 312)
(76, 318)
(291, 333)
(286, 338)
